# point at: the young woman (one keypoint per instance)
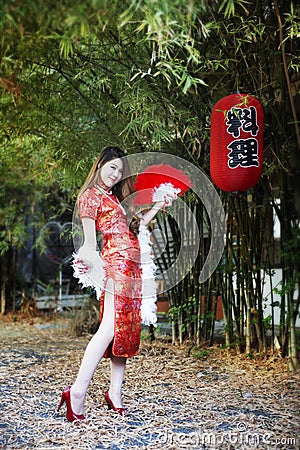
(99, 202)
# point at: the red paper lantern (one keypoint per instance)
(236, 147)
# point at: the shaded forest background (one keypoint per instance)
(79, 75)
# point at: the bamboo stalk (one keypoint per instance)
(286, 72)
(293, 357)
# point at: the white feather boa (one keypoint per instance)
(95, 277)
(149, 285)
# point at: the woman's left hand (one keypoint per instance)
(149, 215)
(168, 201)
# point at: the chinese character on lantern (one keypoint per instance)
(236, 149)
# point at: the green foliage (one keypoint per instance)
(230, 6)
(267, 321)
(202, 354)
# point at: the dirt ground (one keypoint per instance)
(218, 400)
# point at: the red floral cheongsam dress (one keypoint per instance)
(121, 255)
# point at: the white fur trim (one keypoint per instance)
(95, 275)
(162, 190)
(149, 285)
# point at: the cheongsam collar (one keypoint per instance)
(109, 194)
(103, 191)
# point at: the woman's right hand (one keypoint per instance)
(82, 261)
(82, 265)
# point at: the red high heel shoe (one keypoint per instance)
(66, 397)
(110, 405)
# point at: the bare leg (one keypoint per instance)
(117, 366)
(94, 351)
